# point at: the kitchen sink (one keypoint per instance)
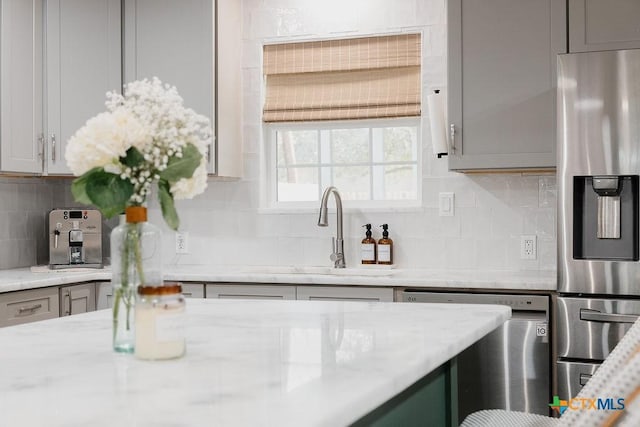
(322, 270)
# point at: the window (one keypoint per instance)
(369, 162)
(344, 112)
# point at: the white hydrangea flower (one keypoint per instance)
(188, 188)
(150, 116)
(103, 140)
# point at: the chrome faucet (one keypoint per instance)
(338, 243)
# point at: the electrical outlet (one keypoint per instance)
(182, 243)
(528, 247)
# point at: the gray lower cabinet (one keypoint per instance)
(344, 293)
(28, 306)
(249, 291)
(83, 51)
(76, 299)
(292, 292)
(104, 293)
(603, 25)
(193, 290)
(501, 82)
(21, 132)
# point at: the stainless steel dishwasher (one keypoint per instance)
(510, 367)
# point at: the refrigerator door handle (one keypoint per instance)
(598, 316)
(584, 378)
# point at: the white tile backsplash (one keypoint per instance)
(225, 226)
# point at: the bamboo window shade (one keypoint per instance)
(358, 78)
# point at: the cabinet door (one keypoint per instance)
(344, 293)
(28, 306)
(21, 86)
(174, 41)
(104, 295)
(603, 25)
(83, 63)
(236, 291)
(502, 80)
(77, 299)
(228, 147)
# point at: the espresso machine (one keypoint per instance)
(75, 238)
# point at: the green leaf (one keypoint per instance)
(182, 167)
(167, 205)
(133, 158)
(79, 187)
(108, 192)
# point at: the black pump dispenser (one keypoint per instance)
(385, 247)
(385, 231)
(369, 254)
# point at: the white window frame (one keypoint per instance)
(270, 177)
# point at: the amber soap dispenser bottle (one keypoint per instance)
(385, 247)
(368, 247)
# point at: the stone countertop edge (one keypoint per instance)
(231, 375)
(23, 278)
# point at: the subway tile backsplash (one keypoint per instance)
(225, 226)
(24, 204)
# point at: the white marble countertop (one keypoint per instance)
(23, 278)
(253, 363)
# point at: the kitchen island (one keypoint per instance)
(279, 363)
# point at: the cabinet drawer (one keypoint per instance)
(104, 293)
(589, 328)
(29, 306)
(241, 291)
(344, 293)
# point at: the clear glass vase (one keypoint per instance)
(136, 259)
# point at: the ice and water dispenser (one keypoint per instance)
(605, 217)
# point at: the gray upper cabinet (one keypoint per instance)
(173, 41)
(501, 82)
(21, 86)
(176, 42)
(603, 25)
(83, 51)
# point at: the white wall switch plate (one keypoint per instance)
(528, 247)
(182, 242)
(446, 203)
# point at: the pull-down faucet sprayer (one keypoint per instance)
(337, 255)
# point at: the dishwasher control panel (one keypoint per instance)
(516, 302)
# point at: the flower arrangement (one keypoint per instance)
(146, 136)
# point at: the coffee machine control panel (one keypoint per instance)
(75, 238)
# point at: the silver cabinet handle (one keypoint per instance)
(41, 146)
(31, 308)
(68, 312)
(584, 378)
(53, 147)
(597, 316)
(452, 137)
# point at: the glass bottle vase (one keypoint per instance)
(136, 259)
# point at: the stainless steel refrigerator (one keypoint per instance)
(598, 168)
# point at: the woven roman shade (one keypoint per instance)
(359, 78)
